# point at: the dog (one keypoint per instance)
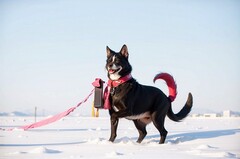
(142, 104)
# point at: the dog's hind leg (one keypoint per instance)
(114, 125)
(158, 121)
(141, 126)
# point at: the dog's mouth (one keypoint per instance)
(112, 71)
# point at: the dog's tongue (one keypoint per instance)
(111, 71)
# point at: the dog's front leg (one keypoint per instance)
(114, 124)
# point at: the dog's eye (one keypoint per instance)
(117, 62)
(109, 59)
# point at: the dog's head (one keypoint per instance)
(117, 63)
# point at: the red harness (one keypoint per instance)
(113, 84)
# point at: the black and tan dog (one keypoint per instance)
(142, 104)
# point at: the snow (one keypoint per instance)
(87, 137)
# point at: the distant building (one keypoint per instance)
(225, 113)
(228, 113)
(195, 115)
(210, 115)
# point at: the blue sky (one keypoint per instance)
(51, 51)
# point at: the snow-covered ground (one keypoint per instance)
(86, 137)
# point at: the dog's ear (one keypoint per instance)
(124, 51)
(109, 52)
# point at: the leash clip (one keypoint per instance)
(112, 92)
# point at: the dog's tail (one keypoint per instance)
(183, 112)
(172, 87)
(172, 95)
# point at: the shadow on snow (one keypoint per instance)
(44, 144)
(189, 136)
(176, 138)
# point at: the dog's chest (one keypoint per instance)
(119, 105)
(118, 99)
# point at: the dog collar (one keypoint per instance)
(121, 80)
(111, 83)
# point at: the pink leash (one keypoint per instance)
(53, 118)
(67, 112)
